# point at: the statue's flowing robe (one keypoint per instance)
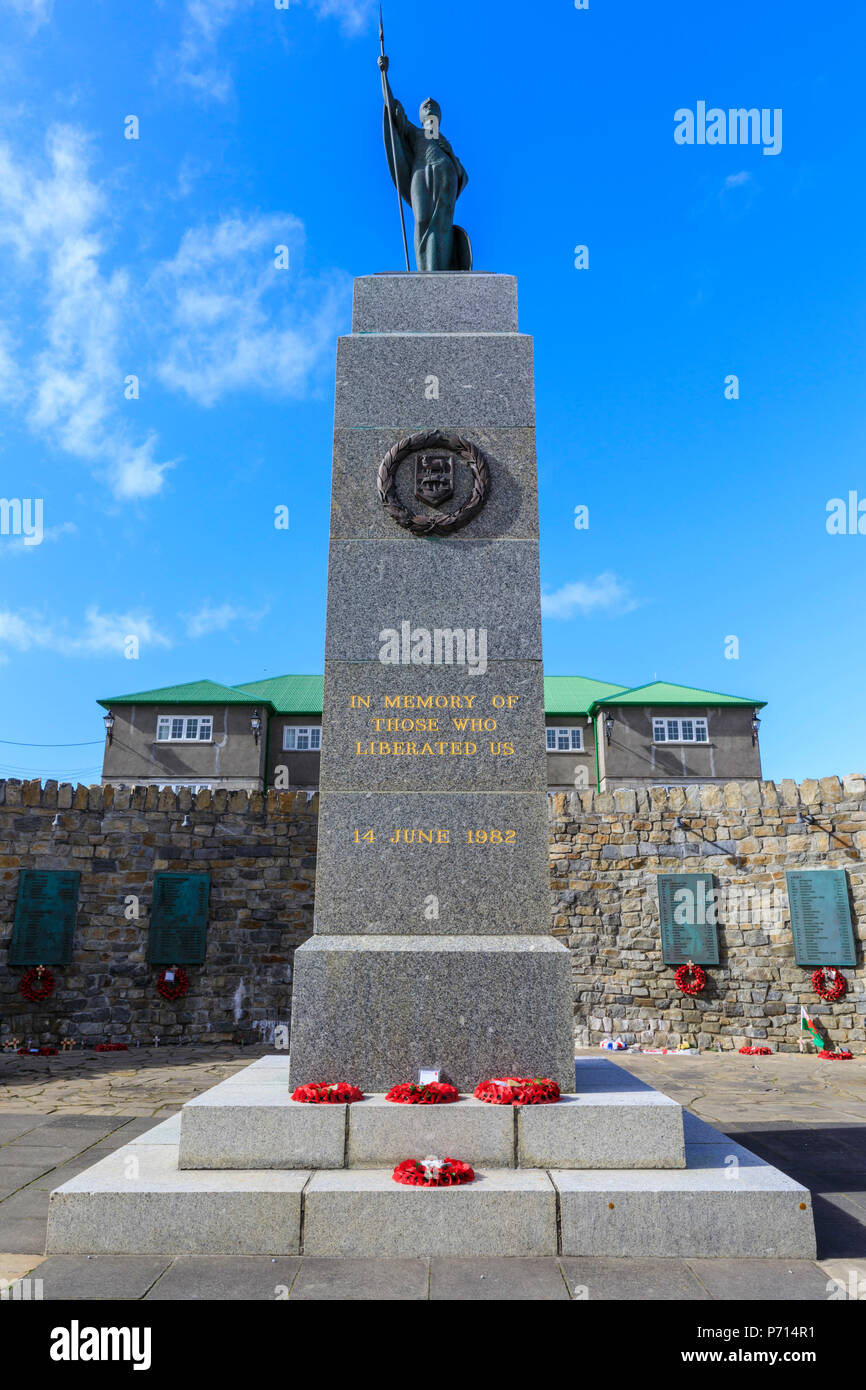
(410, 144)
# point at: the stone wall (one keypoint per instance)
(260, 851)
(606, 850)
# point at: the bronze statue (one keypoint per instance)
(428, 174)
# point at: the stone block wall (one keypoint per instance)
(606, 850)
(260, 851)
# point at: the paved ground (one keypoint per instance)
(59, 1115)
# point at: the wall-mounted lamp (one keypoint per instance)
(804, 819)
(608, 726)
(756, 724)
(108, 721)
(256, 725)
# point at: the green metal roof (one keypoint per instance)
(289, 694)
(575, 694)
(664, 693)
(566, 695)
(193, 693)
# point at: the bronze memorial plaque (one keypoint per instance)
(821, 917)
(688, 919)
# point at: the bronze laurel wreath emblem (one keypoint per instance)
(437, 524)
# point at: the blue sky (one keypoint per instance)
(260, 126)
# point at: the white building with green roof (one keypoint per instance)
(268, 733)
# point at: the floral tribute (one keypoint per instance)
(319, 1093)
(176, 988)
(690, 979)
(841, 1056)
(518, 1090)
(757, 1051)
(836, 988)
(434, 1093)
(37, 984)
(111, 1047)
(433, 1172)
(37, 1052)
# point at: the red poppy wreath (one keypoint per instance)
(434, 1093)
(837, 987)
(690, 979)
(320, 1093)
(433, 1172)
(37, 984)
(518, 1090)
(176, 988)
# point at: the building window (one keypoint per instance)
(297, 739)
(564, 740)
(680, 731)
(191, 786)
(183, 729)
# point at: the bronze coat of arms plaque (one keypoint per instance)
(434, 481)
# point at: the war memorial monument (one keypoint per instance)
(432, 949)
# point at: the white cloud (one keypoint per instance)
(37, 11)
(737, 180)
(220, 314)
(195, 63)
(101, 634)
(49, 215)
(236, 321)
(217, 617)
(606, 593)
(18, 545)
(106, 634)
(354, 15)
(10, 377)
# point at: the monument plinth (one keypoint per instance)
(432, 944)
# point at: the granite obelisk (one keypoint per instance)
(432, 943)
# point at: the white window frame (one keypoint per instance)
(313, 734)
(679, 721)
(169, 720)
(572, 731)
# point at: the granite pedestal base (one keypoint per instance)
(709, 1198)
(375, 1009)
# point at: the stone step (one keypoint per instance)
(139, 1202)
(725, 1203)
(505, 1211)
(612, 1121)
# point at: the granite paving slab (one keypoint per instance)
(361, 1280)
(488, 1281)
(632, 1280)
(238, 1278)
(766, 1281)
(104, 1277)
